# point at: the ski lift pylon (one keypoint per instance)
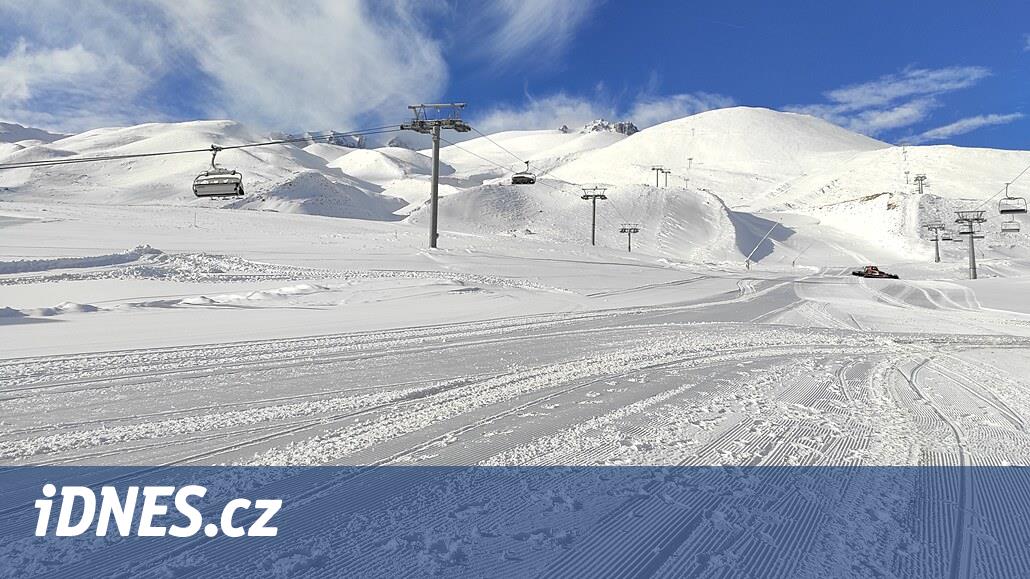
(217, 182)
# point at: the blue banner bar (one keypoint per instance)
(515, 522)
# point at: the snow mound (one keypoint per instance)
(387, 164)
(65, 308)
(675, 223)
(328, 152)
(38, 265)
(312, 193)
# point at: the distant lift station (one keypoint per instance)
(217, 182)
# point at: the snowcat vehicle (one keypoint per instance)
(871, 271)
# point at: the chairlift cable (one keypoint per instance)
(102, 158)
(499, 146)
(498, 165)
(1002, 190)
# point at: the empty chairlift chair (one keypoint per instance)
(1010, 226)
(218, 182)
(523, 177)
(1011, 205)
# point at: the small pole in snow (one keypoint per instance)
(658, 169)
(592, 194)
(666, 172)
(629, 229)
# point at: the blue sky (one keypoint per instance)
(902, 70)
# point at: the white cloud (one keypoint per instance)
(543, 113)
(912, 82)
(892, 101)
(313, 65)
(963, 126)
(652, 110)
(532, 32)
(560, 109)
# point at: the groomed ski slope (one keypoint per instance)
(276, 331)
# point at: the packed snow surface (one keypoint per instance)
(307, 323)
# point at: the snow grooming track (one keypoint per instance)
(961, 551)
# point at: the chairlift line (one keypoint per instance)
(103, 158)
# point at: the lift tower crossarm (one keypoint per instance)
(658, 170)
(447, 116)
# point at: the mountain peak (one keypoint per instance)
(602, 126)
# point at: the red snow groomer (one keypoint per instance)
(873, 272)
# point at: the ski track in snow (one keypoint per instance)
(546, 352)
(631, 386)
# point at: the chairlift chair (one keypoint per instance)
(523, 177)
(946, 235)
(1010, 226)
(218, 182)
(1009, 205)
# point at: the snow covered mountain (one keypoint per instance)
(827, 186)
(13, 133)
(280, 178)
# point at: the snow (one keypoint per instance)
(307, 323)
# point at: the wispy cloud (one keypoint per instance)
(549, 112)
(318, 64)
(534, 32)
(651, 110)
(560, 109)
(1026, 42)
(963, 126)
(892, 101)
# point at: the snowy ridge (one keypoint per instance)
(763, 164)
